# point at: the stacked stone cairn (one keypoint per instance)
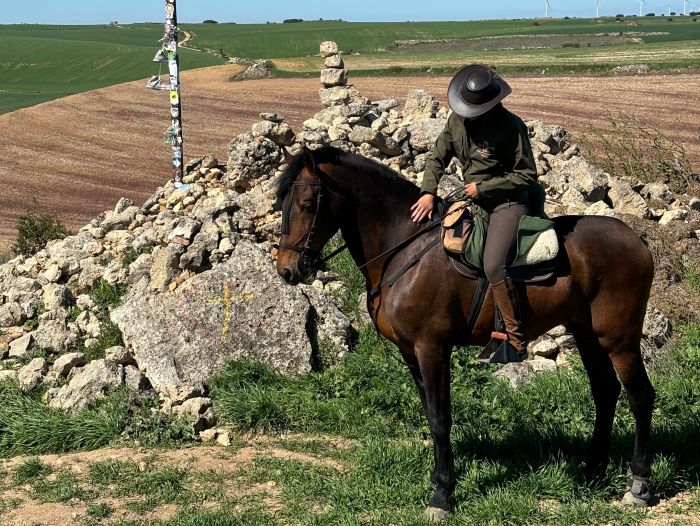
(198, 261)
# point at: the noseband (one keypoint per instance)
(305, 253)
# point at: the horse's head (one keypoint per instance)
(307, 222)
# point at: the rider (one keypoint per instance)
(499, 171)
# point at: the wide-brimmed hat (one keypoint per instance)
(476, 89)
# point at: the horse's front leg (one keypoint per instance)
(434, 363)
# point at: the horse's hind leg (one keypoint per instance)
(606, 390)
(640, 393)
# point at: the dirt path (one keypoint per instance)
(76, 156)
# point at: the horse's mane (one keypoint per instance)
(381, 175)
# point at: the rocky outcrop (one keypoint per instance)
(239, 309)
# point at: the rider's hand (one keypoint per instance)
(471, 190)
(423, 208)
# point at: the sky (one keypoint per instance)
(257, 11)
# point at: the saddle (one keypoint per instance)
(464, 235)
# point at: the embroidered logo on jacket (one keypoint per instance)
(485, 149)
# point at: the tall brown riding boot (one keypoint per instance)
(506, 297)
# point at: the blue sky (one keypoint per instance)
(101, 11)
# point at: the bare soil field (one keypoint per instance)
(77, 155)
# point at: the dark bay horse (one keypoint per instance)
(599, 291)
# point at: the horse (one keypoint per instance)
(599, 291)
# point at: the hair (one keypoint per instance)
(331, 155)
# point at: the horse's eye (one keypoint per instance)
(307, 207)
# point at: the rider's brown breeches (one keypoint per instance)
(501, 240)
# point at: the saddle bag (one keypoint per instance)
(456, 228)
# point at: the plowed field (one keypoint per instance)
(77, 155)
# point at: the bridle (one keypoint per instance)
(307, 255)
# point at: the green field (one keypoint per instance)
(40, 63)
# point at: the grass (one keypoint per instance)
(363, 454)
(41, 63)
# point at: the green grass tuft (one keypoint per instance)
(30, 470)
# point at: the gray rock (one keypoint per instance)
(519, 374)
(283, 135)
(199, 410)
(53, 334)
(657, 326)
(259, 69)
(251, 159)
(66, 363)
(89, 384)
(333, 77)
(545, 348)
(385, 104)
(11, 315)
(567, 343)
(574, 201)
(361, 134)
(658, 191)
(272, 117)
(424, 133)
(599, 209)
(32, 374)
(88, 324)
(262, 129)
(626, 201)
(590, 181)
(679, 214)
(134, 379)
(328, 48)
(239, 309)
(165, 266)
(117, 221)
(420, 105)
(56, 296)
(120, 355)
(210, 161)
(334, 61)
(21, 346)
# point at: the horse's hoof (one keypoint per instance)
(630, 500)
(433, 515)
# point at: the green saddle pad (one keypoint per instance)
(537, 241)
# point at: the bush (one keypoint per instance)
(210, 22)
(571, 44)
(620, 16)
(631, 148)
(293, 20)
(34, 231)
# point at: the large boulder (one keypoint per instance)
(626, 201)
(239, 309)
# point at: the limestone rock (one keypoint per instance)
(424, 133)
(679, 214)
(625, 200)
(657, 326)
(420, 105)
(90, 383)
(328, 48)
(56, 296)
(333, 77)
(239, 309)
(32, 374)
(21, 346)
(335, 62)
(251, 159)
(66, 363)
(519, 374)
(165, 266)
(545, 348)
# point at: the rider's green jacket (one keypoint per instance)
(495, 153)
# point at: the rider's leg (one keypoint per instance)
(501, 244)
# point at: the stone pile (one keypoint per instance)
(197, 260)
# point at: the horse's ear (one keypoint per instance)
(309, 159)
(288, 157)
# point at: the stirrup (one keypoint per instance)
(500, 350)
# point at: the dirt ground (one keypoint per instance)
(223, 462)
(77, 155)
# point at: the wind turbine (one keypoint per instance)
(597, 8)
(546, 8)
(685, 7)
(641, 7)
